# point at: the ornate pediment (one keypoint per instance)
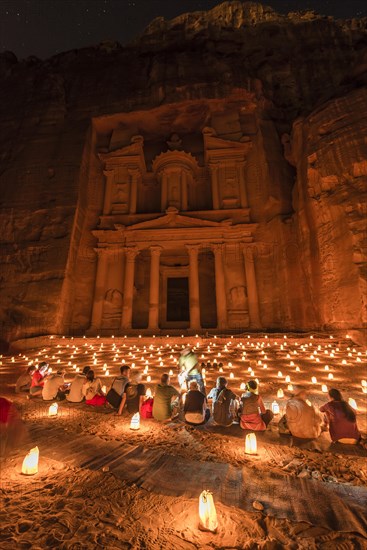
(131, 155)
(172, 219)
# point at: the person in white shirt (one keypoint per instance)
(76, 387)
(54, 387)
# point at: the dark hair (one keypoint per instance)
(221, 382)
(42, 365)
(90, 375)
(124, 368)
(252, 384)
(164, 378)
(30, 369)
(86, 370)
(347, 410)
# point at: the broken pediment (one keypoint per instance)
(131, 155)
(172, 219)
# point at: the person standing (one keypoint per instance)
(190, 368)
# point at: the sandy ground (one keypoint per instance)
(102, 485)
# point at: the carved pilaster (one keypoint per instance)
(252, 294)
(155, 252)
(220, 287)
(127, 306)
(193, 251)
(100, 287)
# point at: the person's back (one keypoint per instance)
(341, 418)
(303, 420)
(195, 404)
(188, 362)
(25, 380)
(162, 409)
(76, 389)
(51, 386)
(221, 404)
(119, 384)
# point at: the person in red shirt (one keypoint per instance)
(341, 418)
(12, 429)
(38, 379)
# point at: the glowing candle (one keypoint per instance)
(287, 378)
(243, 386)
(326, 367)
(324, 388)
(53, 409)
(30, 462)
(275, 407)
(352, 403)
(290, 387)
(330, 376)
(207, 512)
(314, 380)
(107, 373)
(149, 378)
(148, 393)
(280, 374)
(135, 422)
(251, 444)
(231, 375)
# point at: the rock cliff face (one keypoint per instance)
(297, 84)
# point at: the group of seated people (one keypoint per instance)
(301, 420)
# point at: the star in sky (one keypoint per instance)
(46, 27)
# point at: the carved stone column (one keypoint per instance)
(108, 191)
(252, 295)
(134, 178)
(100, 287)
(220, 286)
(241, 180)
(215, 191)
(155, 252)
(127, 306)
(184, 186)
(163, 191)
(193, 251)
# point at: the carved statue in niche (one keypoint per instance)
(238, 298)
(174, 142)
(112, 307)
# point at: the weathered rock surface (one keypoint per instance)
(299, 84)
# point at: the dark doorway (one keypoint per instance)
(178, 299)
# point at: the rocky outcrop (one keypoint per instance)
(300, 81)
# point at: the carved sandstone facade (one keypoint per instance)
(188, 261)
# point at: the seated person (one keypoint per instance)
(196, 406)
(253, 415)
(221, 405)
(38, 379)
(75, 394)
(114, 396)
(165, 399)
(12, 429)
(341, 418)
(25, 380)
(92, 390)
(133, 395)
(54, 387)
(303, 420)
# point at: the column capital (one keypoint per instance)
(217, 248)
(193, 249)
(131, 253)
(155, 250)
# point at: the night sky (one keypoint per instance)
(47, 27)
